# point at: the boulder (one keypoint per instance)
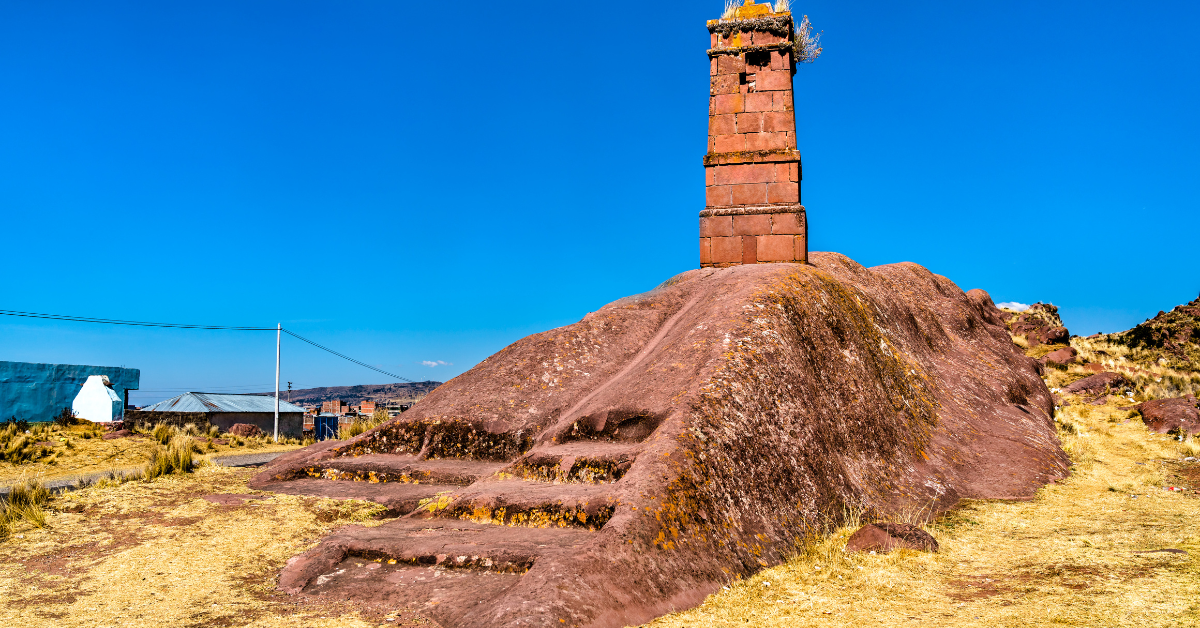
(245, 430)
(117, 434)
(1098, 383)
(885, 537)
(1060, 357)
(626, 466)
(1170, 415)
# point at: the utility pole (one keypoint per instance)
(278, 333)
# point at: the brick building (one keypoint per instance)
(334, 407)
(752, 170)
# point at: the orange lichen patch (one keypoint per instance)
(545, 517)
(582, 470)
(373, 477)
(750, 9)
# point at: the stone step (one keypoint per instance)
(389, 468)
(449, 570)
(588, 462)
(515, 502)
(400, 498)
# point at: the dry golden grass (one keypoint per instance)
(79, 450)
(1065, 558)
(152, 554)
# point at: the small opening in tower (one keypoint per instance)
(758, 58)
(741, 78)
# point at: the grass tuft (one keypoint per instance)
(175, 458)
(25, 503)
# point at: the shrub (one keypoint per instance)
(66, 418)
(21, 424)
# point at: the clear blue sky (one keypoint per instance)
(411, 182)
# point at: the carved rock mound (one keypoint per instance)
(610, 471)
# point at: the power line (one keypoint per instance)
(109, 321)
(298, 337)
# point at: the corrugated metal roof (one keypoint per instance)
(216, 402)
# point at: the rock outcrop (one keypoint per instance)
(1040, 325)
(1177, 415)
(609, 471)
(1098, 383)
(1172, 337)
(885, 537)
(1060, 357)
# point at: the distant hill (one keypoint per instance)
(356, 394)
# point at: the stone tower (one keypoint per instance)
(752, 169)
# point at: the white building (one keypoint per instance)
(98, 402)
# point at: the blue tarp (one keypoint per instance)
(37, 392)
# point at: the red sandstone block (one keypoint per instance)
(719, 196)
(750, 122)
(712, 144)
(793, 172)
(801, 254)
(729, 143)
(779, 121)
(733, 174)
(773, 80)
(712, 66)
(758, 102)
(749, 193)
(710, 175)
(726, 250)
(766, 141)
(705, 250)
(730, 64)
(716, 226)
(749, 250)
(755, 225)
(725, 84)
(781, 172)
(713, 39)
(722, 125)
(762, 37)
(776, 248)
(782, 224)
(781, 60)
(787, 192)
(727, 103)
(783, 101)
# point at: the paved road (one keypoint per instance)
(72, 482)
